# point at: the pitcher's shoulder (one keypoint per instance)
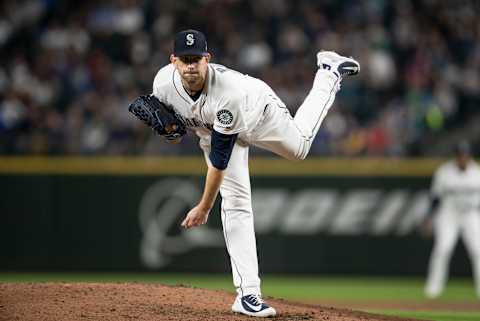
(164, 75)
(224, 81)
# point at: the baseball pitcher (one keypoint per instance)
(230, 111)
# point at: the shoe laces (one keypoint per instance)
(255, 299)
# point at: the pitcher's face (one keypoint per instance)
(192, 69)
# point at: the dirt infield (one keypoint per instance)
(145, 302)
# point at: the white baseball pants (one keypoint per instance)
(448, 225)
(290, 137)
(284, 135)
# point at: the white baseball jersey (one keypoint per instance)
(458, 215)
(230, 103)
(458, 190)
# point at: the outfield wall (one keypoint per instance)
(316, 216)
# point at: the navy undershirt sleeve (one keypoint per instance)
(221, 149)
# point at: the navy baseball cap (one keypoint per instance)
(190, 43)
(463, 148)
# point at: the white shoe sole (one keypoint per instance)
(334, 57)
(270, 312)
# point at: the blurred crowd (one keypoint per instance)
(68, 69)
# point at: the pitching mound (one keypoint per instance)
(146, 302)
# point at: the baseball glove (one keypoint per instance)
(158, 116)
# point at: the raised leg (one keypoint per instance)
(292, 137)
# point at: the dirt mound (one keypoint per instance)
(146, 302)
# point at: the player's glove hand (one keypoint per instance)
(158, 116)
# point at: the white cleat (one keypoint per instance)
(252, 305)
(339, 65)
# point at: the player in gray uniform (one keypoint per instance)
(230, 111)
(455, 206)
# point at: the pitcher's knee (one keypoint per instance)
(237, 205)
(295, 156)
(302, 156)
(235, 220)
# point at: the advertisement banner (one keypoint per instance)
(304, 224)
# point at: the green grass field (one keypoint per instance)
(304, 288)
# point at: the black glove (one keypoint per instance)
(161, 118)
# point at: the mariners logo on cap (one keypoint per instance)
(190, 43)
(225, 117)
(190, 39)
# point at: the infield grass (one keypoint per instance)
(299, 288)
(433, 315)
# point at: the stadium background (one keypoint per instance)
(75, 167)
